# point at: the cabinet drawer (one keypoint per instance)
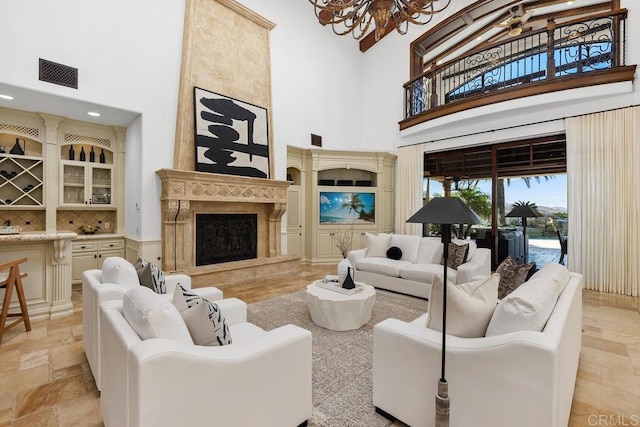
(85, 245)
(110, 244)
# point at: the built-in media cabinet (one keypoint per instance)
(334, 192)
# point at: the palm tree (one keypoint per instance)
(354, 204)
(500, 194)
(477, 200)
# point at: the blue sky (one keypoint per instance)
(552, 193)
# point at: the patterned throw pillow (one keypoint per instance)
(457, 255)
(203, 318)
(151, 276)
(512, 275)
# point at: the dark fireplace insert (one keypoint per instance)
(225, 238)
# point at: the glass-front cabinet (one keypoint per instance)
(87, 179)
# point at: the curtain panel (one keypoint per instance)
(603, 160)
(409, 188)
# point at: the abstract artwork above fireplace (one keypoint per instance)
(231, 136)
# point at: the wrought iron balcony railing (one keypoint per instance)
(540, 61)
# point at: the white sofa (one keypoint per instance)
(520, 378)
(414, 272)
(95, 292)
(261, 379)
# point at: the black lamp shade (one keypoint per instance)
(445, 210)
(523, 212)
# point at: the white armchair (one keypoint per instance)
(95, 292)
(262, 378)
(523, 378)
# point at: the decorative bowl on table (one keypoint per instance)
(88, 229)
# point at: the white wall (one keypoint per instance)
(128, 56)
(317, 81)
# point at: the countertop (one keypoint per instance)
(98, 236)
(38, 236)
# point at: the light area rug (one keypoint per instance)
(342, 361)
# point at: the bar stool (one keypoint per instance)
(8, 281)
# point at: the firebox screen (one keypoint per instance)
(225, 238)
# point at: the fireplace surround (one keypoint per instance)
(186, 194)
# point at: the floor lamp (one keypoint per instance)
(444, 211)
(524, 211)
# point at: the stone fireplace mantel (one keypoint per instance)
(187, 193)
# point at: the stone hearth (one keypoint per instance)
(186, 194)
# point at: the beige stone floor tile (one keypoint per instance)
(604, 345)
(9, 361)
(609, 399)
(591, 372)
(25, 380)
(31, 360)
(59, 338)
(43, 418)
(76, 331)
(7, 401)
(19, 335)
(48, 395)
(84, 410)
(67, 355)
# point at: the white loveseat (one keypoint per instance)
(121, 276)
(421, 259)
(521, 378)
(262, 379)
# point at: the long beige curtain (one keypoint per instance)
(603, 168)
(409, 175)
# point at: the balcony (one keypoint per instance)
(580, 53)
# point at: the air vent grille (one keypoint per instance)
(59, 74)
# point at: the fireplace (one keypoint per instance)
(188, 197)
(225, 238)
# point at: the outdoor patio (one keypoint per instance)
(544, 251)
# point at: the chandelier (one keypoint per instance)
(355, 16)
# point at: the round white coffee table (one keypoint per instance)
(339, 312)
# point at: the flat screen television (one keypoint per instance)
(338, 207)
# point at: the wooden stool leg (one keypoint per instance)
(14, 279)
(5, 305)
(21, 299)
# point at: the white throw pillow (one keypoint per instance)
(409, 245)
(120, 271)
(553, 271)
(377, 245)
(152, 316)
(469, 306)
(527, 308)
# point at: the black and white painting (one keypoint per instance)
(232, 136)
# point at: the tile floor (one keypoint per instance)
(45, 379)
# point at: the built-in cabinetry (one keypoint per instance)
(20, 180)
(90, 253)
(337, 192)
(86, 183)
(56, 176)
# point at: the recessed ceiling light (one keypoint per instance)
(479, 38)
(570, 2)
(9, 97)
(93, 114)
